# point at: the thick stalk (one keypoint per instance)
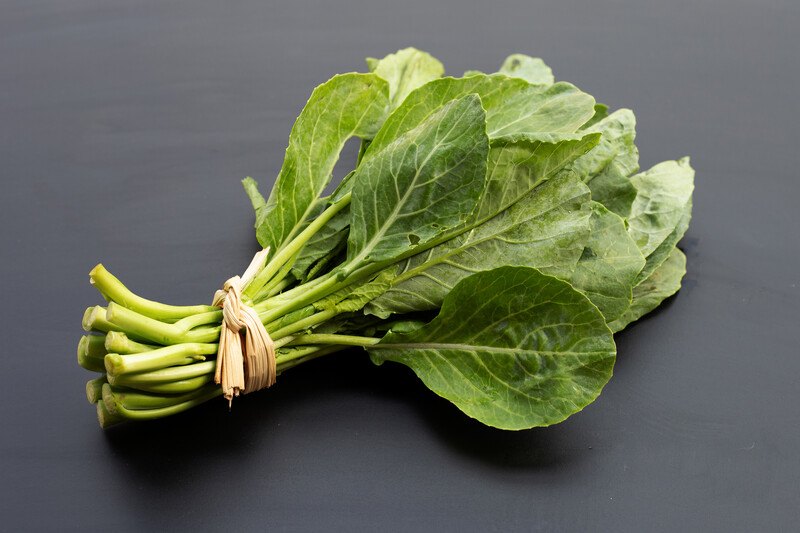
(174, 355)
(172, 387)
(149, 414)
(136, 400)
(165, 375)
(94, 389)
(134, 324)
(118, 342)
(113, 289)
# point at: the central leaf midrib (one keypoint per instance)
(490, 349)
(370, 245)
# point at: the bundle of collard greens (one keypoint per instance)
(494, 234)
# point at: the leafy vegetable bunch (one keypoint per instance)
(494, 234)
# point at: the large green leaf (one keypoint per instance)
(617, 145)
(660, 204)
(511, 347)
(513, 107)
(660, 285)
(607, 269)
(547, 230)
(613, 189)
(660, 254)
(345, 106)
(405, 70)
(516, 167)
(427, 181)
(515, 110)
(607, 166)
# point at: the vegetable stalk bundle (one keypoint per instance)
(494, 235)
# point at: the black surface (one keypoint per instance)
(124, 132)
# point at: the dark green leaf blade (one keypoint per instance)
(611, 261)
(662, 195)
(547, 230)
(347, 105)
(513, 107)
(617, 145)
(607, 166)
(660, 254)
(614, 190)
(660, 285)
(511, 347)
(425, 182)
(516, 167)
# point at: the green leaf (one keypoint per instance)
(332, 236)
(662, 195)
(513, 107)
(511, 347)
(428, 180)
(251, 189)
(547, 230)
(345, 106)
(600, 112)
(355, 297)
(607, 166)
(530, 69)
(607, 270)
(405, 70)
(614, 190)
(660, 285)
(517, 167)
(617, 145)
(660, 254)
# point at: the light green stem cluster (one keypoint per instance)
(158, 359)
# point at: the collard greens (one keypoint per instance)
(495, 232)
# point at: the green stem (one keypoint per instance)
(174, 355)
(294, 246)
(118, 342)
(91, 351)
(133, 323)
(301, 357)
(137, 400)
(280, 287)
(165, 375)
(277, 280)
(283, 298)
(149, 414)
(171, 387)
(200, 319)
(94, 319)
(341, 340)
(305, 323)
(115, 290)
(94, 389)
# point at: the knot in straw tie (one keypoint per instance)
(246, 354)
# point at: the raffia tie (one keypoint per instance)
(246, 355)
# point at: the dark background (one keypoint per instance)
(124, 132)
